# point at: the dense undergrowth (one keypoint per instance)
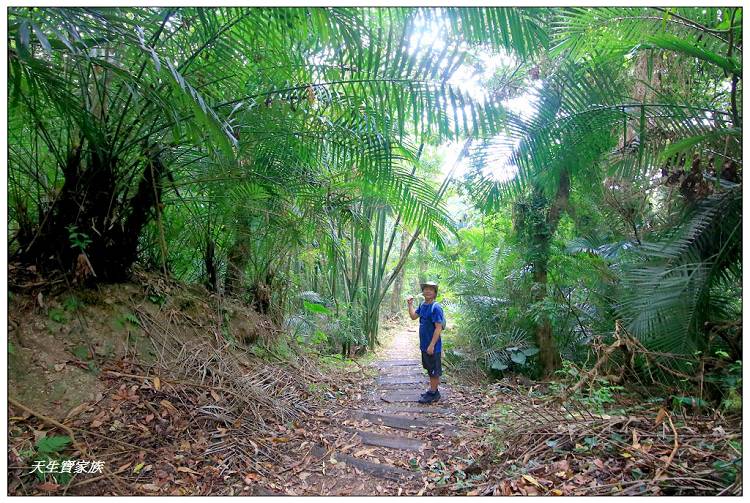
(154, 366)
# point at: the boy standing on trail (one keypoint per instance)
(431, 321)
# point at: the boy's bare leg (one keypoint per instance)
(434, 381)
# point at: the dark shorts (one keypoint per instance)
(431, 364)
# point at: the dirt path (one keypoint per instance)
(380, 440)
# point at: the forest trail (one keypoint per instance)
(392, 442)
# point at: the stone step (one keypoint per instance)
(403, 379)
(417, 409)
(402, 372)
(396, 363)
(410, 422)
(407, 395)
(398, 422)
(420, 387)
(379, 470)
(390, 441)
(420, 383)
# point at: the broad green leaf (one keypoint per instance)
(316, 308)
(673, 43)
(498, 365)
(530, 351)
(49, 445)
(687, 143)
(42, 39)
(518, 357)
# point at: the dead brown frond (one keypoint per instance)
(641, 452)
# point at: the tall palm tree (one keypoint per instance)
(105, 101)
(602, 118)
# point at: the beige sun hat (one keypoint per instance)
(429, 283)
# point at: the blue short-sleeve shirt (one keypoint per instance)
(429, 314)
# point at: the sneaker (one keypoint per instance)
(426, 393)
(430, 397)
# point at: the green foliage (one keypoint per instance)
(157, 299)
(729, 471)
(122, 320)
(729, 382)
(669, 293)
(622, 107)
(508, 351)
(316, 308)
(52, 445)
(49, 449)
(346, 330)
(319, 337)
(77, 239)
(57, 315)
(688, 402)
(72, 303)
(81, 352)
(598, 394)
(309, 325)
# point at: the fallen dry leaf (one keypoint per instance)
(185, 469)
(532, 480)
(636, 444)
(252, 476)
(364, 452)
(76, 410)
(347, 447)
(660, 416)
(168, 405)
(121, 468)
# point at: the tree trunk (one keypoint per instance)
(261, 291)
(399, 281)
(210, 262)
(87, 206)
(422, 263)
(549, 356)
(236, 264)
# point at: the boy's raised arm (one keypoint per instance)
(412, 313)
